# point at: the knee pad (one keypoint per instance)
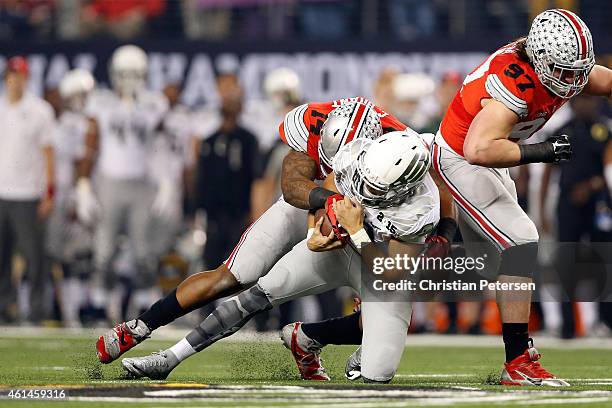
(254, 300)
(229, 317)
(519, 260)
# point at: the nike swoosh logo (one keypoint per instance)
(534, 381)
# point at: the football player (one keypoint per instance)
(272, 235)
(388, 189)
(75, 146)
(127, 116)
(315, 132)
(503, 101)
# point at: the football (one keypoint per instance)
(326, 227)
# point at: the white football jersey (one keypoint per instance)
(411, 221)
(172, 147)
(69, 146)
(126, 131)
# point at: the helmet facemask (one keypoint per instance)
(561, 79)
(373, 193)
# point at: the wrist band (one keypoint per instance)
(447, 227)
(542, 152)
(360, 237)
(318, 196)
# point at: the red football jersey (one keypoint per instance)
(509, 80)
(301, 129)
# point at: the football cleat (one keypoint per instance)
(120, 339)
(526, 370)
(157, 366)
(352, 370)
(306, 352)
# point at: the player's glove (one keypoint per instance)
(555, 149)
(87, 206)
(561, 146)
(339, 232)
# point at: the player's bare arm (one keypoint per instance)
(298, 173)
(487, 143)
(600, 82)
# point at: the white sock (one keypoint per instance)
(182, 350)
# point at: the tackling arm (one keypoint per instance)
(298, 173)
(486, 143)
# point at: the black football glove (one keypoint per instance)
(555, 149)
(562, 147)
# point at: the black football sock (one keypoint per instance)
(516, 339)
(164, 311)
(340, 330)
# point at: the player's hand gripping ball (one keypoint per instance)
(339, 232)
(324, 237)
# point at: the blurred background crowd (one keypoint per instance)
(217, 20)
(158, 188)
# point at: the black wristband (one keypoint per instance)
(543, 152)
(317, 197)
(447, 227)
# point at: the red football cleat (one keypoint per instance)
(120, 339)
(526, 370)
(305, 351)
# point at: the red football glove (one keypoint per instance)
(339, 232)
